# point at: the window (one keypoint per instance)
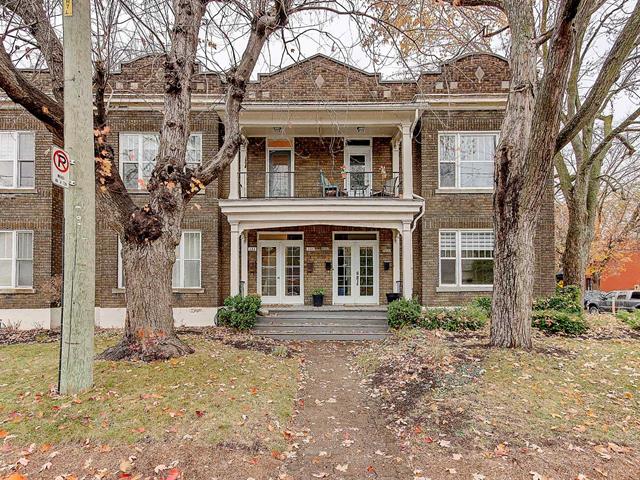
(16, 259)
(138, 153)
(186, 270)
(466, 258)
(17, 159)
(466, 159)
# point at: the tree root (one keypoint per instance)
(133, 349)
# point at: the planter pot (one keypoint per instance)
(318, 300)
(392, 297)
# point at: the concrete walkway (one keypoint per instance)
(338, 432)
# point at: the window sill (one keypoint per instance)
(175, 290)
(463, 190)
(17, 291)
(467, 288)
(28, 191)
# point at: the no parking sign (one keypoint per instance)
(60, 164)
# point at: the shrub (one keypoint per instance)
(239, 312)
(403, 313)
(318, 291)
(559, 321)
(484, 303)
(455, 319)
(566, 299)
(630, 318)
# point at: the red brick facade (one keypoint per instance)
(136, 108)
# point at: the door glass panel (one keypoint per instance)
(280, 173)
(366, 271)
(357, 168)
(292, 272)
(344, 271)
(269, 271)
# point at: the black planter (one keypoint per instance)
(392, 297)
(318, 300)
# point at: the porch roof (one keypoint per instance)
(365, 212)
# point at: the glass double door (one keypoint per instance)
(280, 272)
(355, 273)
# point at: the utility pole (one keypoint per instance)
(78, 308)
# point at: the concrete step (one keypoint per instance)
(329, 314)
(327, 322)
(341, 337)
(321, 329)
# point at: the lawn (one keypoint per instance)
(220, 395)
(569, 407)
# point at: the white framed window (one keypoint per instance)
(16, 259)
(138, 153)
(466, 258)
(466, 159)
(17, 159)
(188, 266)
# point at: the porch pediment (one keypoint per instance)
(366, 212)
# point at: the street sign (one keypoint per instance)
(60, 167)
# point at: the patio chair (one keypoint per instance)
(328, 189)
(389, 189)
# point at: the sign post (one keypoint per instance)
(78, 302)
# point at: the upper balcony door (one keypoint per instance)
(280, 166)
(359, 175)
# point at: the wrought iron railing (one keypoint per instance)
(318, 184)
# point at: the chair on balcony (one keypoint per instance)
(391, 188)
(328, 189)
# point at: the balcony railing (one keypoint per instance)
(317, 184)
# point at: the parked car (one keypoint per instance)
(628, 300)
(592, 296)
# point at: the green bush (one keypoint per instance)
(484, 303)
(403, 312)
(455, 319)
(630, 318)
(558, 321)
(239, 312)
(566, 299)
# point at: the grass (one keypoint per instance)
(567, 389)
(219, 394)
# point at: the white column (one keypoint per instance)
(244, 267)
(395, 155)
(234, 272)
(407, 260)
(233, 178)
(407, 162)
(396, 259)
(243, 169)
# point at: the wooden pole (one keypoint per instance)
(78, 309)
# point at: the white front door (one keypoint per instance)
(355, 272)
(280, 272)
(359, 179)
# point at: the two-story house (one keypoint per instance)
(346, 182)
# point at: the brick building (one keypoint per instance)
(346, 182)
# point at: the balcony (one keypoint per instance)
(283, 184)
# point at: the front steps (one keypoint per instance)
(344, 324)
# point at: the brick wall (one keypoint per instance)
(37, 209)
(468, 210)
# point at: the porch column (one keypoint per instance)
(233, 177)
(243, 180)
(407, 162)
(395, 156)
(244, 266)
(407, 261)
(234, 271)
(396, 260)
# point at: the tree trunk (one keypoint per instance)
(149, 326)
(576, 247)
